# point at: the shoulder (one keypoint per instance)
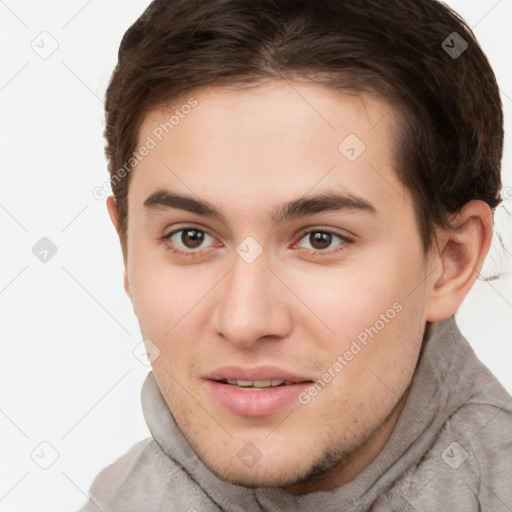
(469, 465)
(144, 478)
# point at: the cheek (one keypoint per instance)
(374, 314)
(372, 375)
(351, 298)
(162, 293)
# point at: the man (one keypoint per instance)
(304, 194)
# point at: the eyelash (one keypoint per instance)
(197, 253)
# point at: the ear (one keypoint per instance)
(113, 212)
(457, 259)
(114, 217)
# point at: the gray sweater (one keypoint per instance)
(451, 450)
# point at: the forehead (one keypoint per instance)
(274, 140)
(297, 110)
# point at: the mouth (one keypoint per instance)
(257, 384)
(255, 392)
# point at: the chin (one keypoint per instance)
(260, 475)
(278, 469)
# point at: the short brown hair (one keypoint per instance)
(450, 142)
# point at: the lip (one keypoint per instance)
(257, 373)
(254, 402)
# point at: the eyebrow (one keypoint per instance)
(302, 207)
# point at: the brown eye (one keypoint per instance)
(192, 238)
(188, 240)
(320, 240)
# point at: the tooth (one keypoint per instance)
(262, 383)
(244, 383)
(256, 383)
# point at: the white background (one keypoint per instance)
(68, 374)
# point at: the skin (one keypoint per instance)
(299, 305)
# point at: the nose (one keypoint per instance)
(252, 304)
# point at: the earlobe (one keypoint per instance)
(126, 284)
(459, 256)
(113, 212)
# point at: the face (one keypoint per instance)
(274, 260)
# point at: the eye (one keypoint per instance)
(186, 240)
(321, 240)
